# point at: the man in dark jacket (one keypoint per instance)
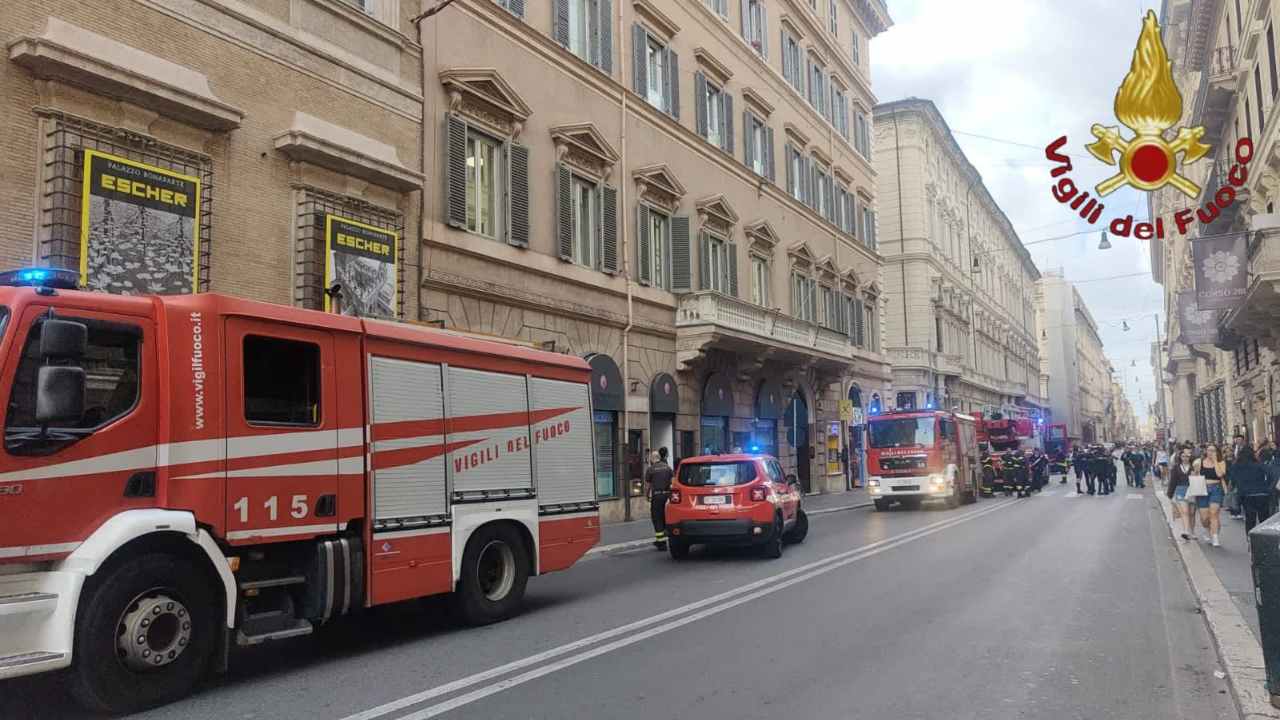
(657, 482)
(1252, 486)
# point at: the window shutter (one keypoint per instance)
(726, 120)
(700, 104)
(560, 21)
(639, 63)
(704, 266)
(673, 83)
(842, 314)
(768, 149)
(644, 246)
(680, 261)
(517, 195)
(786, 60)
(745, 6)
(606, 36)
(564, 212)
(831, 200)
(860, 323)
(748, 156)
(795, 295)
(855, 224)
(515, 7)
(609, 229)
(732, 249)
(456, 172)
(875, 241)
(808, 181)
(791, 179)
(764, 30)
(813, 300)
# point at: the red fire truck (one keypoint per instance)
(916, 455)
(185, 474)
(1007, 446)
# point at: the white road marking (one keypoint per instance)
(1135, 496)
(662, 623)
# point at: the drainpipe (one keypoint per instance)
(626, 260)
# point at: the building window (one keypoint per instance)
(797, 175)
(833, 19)
(660, 246)
(759, 281)
(757, 145)
(817, 87)
(584, 27)
(715, 113)
(1257, 84)
(840, 112)
(484, 178)
(855, 52)
(822, 190)
(1271, 59)
(720, 6)
(515, 7)
(792, 62)
(715, 259)
(586, 228)
(869, 227)
(656, 62)
(755, 28)
(861, 134)
(804, 297)
(830, 313)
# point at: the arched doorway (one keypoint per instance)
(664, 403)
(607, 401)
(769, 407)
(796, 420)
(717, 406)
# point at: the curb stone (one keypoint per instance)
(1238, 649)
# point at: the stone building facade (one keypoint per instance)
(283, 112)
(1072, 359)
(1225, 63)
(960, 324)
(682, 192)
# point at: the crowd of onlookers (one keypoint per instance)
(1203, 479)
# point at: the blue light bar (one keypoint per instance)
(41, 277)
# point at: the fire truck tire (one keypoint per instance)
(800, 530)
(953, 502)
(773, 548)
(165, 603)
(881, 504)
(493, 576)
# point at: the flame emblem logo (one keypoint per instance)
(1148, 103)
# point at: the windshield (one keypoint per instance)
(717, 474)
(902, 432)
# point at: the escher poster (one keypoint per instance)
(362, 260)
(139, 227)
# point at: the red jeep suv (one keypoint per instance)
(734, 500)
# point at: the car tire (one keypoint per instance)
(167, 602)
(881, 504)
(678, 548)
(773, 548)
(797, 533)
(494, 572)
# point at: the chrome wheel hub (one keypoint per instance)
(153, 631)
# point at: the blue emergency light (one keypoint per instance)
(41, 277)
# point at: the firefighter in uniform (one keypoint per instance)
(657, 483)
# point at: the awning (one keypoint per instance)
(664, 395)
(607, 392)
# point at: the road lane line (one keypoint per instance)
(633, 627)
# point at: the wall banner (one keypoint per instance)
(1199, 327)
(139, 228)
(1222, 270)
(362, 259)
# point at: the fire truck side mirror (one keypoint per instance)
(63, 339)
(59, 394)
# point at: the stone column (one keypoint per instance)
(1184, 424)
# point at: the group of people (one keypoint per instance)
(1099, 467)
(1202, 479)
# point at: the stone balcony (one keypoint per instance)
(919, 358)
(1216, 97)
(708, 320)
(1256, 316)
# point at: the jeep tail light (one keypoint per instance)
(759, 493)
(674, 498)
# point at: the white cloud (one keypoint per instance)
(1028, 72)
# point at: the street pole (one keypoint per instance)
(1160, 377)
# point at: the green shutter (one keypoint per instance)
(681, 262)
(455, 174)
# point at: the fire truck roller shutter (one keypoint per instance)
(562, 444)
(488, 411)
(406, 397)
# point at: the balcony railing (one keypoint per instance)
(1222, 64)
(712, 308)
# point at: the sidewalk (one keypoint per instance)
(622, 535)
(1222, 580)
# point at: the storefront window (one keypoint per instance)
(714, 435)
(605, 424)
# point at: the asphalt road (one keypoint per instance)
(1050, 607)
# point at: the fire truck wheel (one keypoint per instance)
(493, 575)
(881, 504)
(797, 533)
(773, 548)
(953, 502)
(144, 634)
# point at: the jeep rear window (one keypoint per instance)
(717, 474)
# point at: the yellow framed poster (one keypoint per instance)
(362, 259)
(139, 227)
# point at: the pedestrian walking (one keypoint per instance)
(1162, 464)
(1251, 483)
(1214, 470)
(657, 483)
(1176, 490)
(1078, 465)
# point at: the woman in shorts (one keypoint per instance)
(1214, 470)
(1176, 490)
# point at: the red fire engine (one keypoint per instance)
(1004, 461)
(184, 474)
(916, 455)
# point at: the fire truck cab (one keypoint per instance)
(184, 474)
(914, 456)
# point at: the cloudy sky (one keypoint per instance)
(1025, 72)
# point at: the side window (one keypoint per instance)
(775, 472)
(948, 429)
(112, 371)
(281, 382)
